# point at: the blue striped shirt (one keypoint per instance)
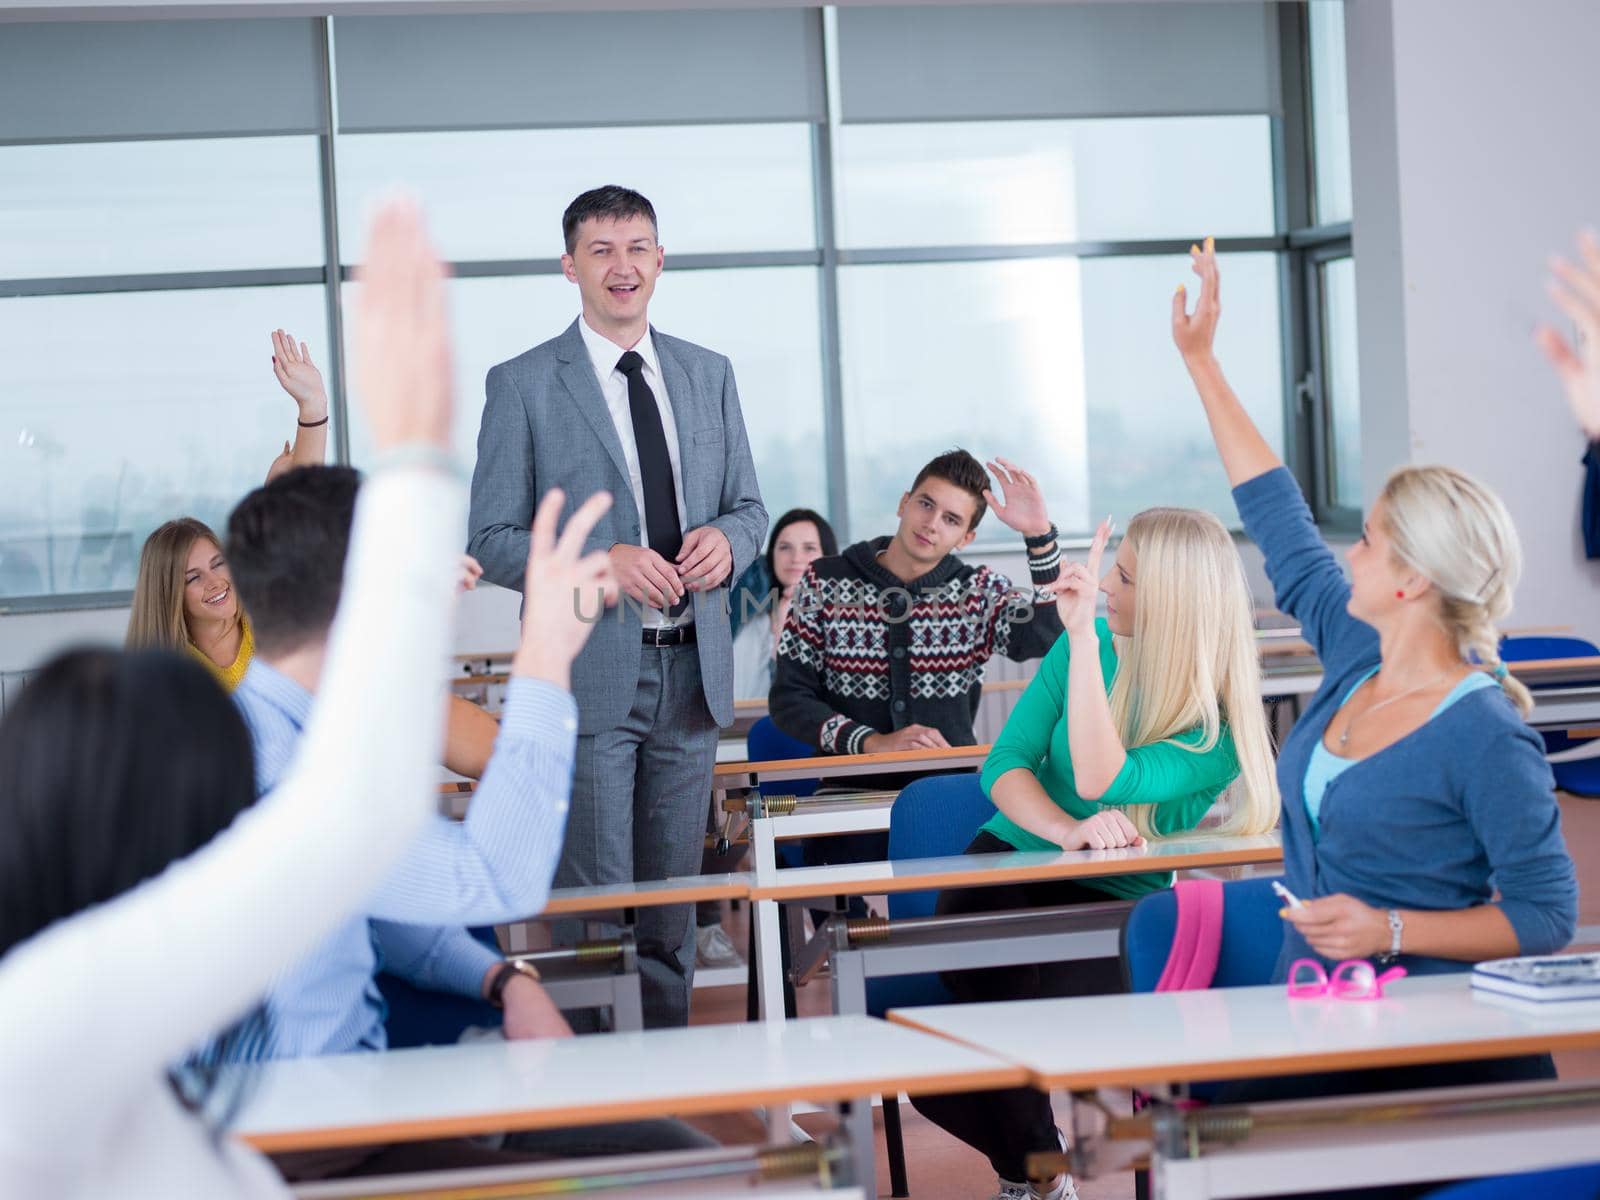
(495, 866)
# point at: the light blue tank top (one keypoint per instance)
(1325, 766)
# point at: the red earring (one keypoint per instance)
(1399, 595)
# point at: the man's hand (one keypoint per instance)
(299, 376)
(1340, 926)
(471, 572)
(1079, 585)
(706, 559)
(558, 589)
(1196, 335)
(1576, 289)
(1108, 829)
(912, 737)
(530, 1013)
(1023, 509)
(402, 342)
(645, 576)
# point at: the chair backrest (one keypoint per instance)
(1523, 649)
(933, 817)
(1252, 933)
(767, 743)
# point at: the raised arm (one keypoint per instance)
(298, 375)
(1576, 290)
(1245, 453)
(1024, 625)
(173, 943)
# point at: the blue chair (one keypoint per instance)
(1568, 1183)
(1581, 778)
(931, 818)
(767, 743)
(1252, 933)
(422, 1018)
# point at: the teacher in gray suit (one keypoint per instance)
(612, 404)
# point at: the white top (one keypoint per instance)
(603, 355)
(93, 1009)
(476, 1087)
(1239, 1033)
(752, 659)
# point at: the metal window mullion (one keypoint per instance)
(338, 402)
(168, 281)
(823, 168)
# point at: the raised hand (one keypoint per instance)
(1078, 588)
(1195, 334)
(299, 376)
(564, 591)
(402, 343)
(1576, 290)
(1023, 509)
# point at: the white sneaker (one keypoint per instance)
(1064, 1189)
(712, 948)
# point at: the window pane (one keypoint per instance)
(126, 208)
(1063, 365)
(500, 195)
(1330, 111)
(1034, 182)
(764, 319)
(1341, 382)
(1148, 439)
(175, 412)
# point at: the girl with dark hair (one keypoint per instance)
(131, 929)
(799, 538)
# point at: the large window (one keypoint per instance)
(907, 229)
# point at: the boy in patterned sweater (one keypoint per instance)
(885, 644)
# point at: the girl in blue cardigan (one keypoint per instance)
(1419, 815)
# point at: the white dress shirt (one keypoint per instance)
(603, 354)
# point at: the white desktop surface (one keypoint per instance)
(1238, 1033)
(454, 1091)
(965, 870)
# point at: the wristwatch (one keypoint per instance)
(1396, 927)
(504, 975)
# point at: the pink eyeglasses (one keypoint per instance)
(1353, 979)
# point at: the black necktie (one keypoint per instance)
(655, 467)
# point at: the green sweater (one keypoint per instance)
(1181, 783)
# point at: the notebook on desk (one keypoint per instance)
(1541, 978)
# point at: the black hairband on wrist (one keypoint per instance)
(311, 424)
(1039, 541)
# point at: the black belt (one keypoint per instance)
(669, 635)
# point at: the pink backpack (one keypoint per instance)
(1197, 940)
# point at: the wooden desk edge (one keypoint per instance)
(992, 875)
(1001, 1074)
(1296, 1064)
(644, 898)
(842, 764)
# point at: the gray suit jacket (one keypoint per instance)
(546, 425)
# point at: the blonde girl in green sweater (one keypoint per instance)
(1133, 728)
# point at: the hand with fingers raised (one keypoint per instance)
(299, 376)
(1023, 509)
(1078, 588)
(565, 591)
(1196, 334)
(1576, 291)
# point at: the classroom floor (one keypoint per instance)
(940, 1168)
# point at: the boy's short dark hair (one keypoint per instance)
(286, 548)
(609, 203)
(959, 468)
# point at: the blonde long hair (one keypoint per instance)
(157, 618)
(1192, 660)
(1449, 527)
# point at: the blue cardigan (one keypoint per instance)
(1460, 808)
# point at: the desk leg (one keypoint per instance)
(857, 1120)
(765, 918)
(627, 1005)
(849, 971)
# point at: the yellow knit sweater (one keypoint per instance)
(230, 675)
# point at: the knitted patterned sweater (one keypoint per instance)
(863, 652)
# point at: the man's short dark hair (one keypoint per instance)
(959, 468)
(609, 203)
(286, 548)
